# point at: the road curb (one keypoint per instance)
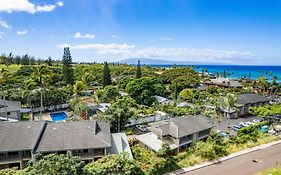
(231, 156)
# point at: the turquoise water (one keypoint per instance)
(59, 116)
(237, 71)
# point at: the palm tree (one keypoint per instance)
(27, 88)
(78, 87)
(262, 84)
(4, 76)
(229, 102)
(40, 75)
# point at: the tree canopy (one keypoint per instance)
(144, 89)
(117, 164)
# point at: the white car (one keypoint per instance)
(249, 123)
(243, 124)
(256, 121)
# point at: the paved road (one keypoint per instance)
(243, 165)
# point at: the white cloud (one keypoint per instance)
(115, 36)
(1, 34)
(189, 53)
(113, 48)
(26, 6)
(60, 3)
(4, 24)
(164, 38)
(22, 32)
(88, 36)
(180, 54)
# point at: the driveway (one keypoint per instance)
(224, 122)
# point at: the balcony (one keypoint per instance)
(9, 159)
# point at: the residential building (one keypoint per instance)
(178, 133)
(243, 104)
(89, 140)
(12, 108)
(223, 82)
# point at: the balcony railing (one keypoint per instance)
(9, 157)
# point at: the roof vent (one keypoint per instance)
(28, 127)
(54, 128)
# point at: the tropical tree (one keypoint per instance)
(138, 72)
(78, 87)
(120, 112)
(144, 89)
(229, 101)
(40, 75)
(28, 86)
(4, 76)
(108, 93)
(106, 79)
(117, 164)
(262, 84)
(54, 164)
(67, 68)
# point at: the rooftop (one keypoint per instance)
(11, 106)
(48, 136)
(182, 126)
(16, 136)
(75, 135)
(251, 98)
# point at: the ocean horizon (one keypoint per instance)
(235, 71)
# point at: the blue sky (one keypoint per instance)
(216, 31)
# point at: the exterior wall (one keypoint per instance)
(20, 158)
(12, 115)
(9, 159)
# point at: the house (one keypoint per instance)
(178, 133)
(162, 100)
(223, 82)
(94, 108)
(243, 104)
(12, 108)
(246, 101)
(89, 140)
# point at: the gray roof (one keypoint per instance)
(75, 135)
(12, 106)
(15, 136)
(44, 136)
(251, 98)
(181, 126)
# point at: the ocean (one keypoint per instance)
(237, 71)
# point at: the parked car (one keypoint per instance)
(236, 127)
(224, 134)
(142, 128)
(243, 124)
(256, 121)
(249, 123)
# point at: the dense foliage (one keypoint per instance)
(114, 165)
(266, 111)
(54, 164)
(144, 89)
(67, 67)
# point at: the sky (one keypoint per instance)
(205, 31)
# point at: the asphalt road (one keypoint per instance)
(243, 165)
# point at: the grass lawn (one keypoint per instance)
(11, 68)
(271, 171)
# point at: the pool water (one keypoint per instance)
(59, 116)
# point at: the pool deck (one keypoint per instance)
(46, 115)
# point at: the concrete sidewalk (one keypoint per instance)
(237, 154)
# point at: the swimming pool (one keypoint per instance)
(58, 116)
